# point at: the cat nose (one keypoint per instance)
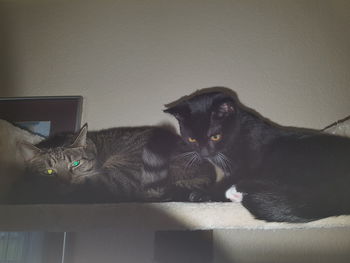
(204, 152)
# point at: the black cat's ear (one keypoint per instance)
(80, 140)
(28, 151)
(224, 108)
(179, 112)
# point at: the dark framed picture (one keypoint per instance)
(43, 115)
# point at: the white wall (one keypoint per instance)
(288, 59)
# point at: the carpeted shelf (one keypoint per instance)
(152, 216)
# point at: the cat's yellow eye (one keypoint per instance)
(50, 171)
(216, 137)
(192, 140)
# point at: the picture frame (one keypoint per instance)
(44, 115)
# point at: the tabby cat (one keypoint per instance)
(112, 165)
(279, 173)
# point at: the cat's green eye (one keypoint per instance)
(75, 163)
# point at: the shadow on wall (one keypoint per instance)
(7, 51)
(122, 233)
(136, 240)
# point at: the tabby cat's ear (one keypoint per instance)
(28, 151)
(80, 140)
(179, 112)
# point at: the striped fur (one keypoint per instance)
(118, 164)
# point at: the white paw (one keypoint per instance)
(233, 195)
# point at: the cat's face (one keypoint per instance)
(204, 122)
(69, 164)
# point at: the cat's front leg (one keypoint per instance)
(197, 196)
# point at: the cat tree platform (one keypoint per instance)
(152, 216)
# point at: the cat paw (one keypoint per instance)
(233, 195)
(198, 197)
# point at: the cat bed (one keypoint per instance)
(10, 135)
(155, 216)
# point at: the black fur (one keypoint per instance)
(286, 174)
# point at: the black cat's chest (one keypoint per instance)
(242, 160)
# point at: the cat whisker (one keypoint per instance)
(198, 158)
(184, 155)
(224, 162)
(189, 163)
(227, 160)
(193, 159)
(217, 161)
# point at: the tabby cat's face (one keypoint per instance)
(69, 164)
(205, 122)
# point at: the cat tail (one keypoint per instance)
(275, 202)
(156, 156)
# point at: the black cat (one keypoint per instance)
(279, 173)
(112, 165)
